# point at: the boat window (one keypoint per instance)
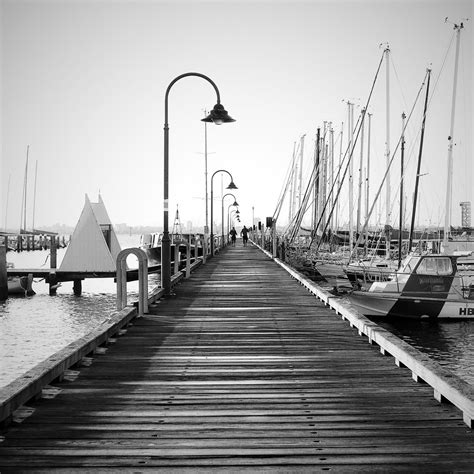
(435, 266)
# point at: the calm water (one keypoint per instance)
(33, 328)
(450, 343)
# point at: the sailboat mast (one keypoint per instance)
(300, 177)
(402, 171)
(449, 187)
(6, 205)
(367, 176)
(331, 169)
(361, 161)
(351, 172)
(387, 134)
(336, 223)
(316, 182)
(25, 190)
(34, 196)
(415, 198)
(291, 181)
(387, 146)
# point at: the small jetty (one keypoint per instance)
(246, 370)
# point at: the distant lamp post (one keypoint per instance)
(218, 115)
(230, 186)
(222, 207)
(229, 214)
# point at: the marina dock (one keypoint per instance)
(250, 369)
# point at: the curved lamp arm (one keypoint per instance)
(230, 194)
(222, 171)
(187, 74)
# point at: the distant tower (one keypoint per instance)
(176, 235)
(465, 213)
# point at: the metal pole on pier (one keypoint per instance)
(218, 115)
(230, 186)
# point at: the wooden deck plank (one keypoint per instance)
(243, 370)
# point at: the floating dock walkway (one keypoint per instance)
(243, 370)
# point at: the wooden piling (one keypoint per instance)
(77, 287)
(53, 278)
(3, 273)
(54, 252)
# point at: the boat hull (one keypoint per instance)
(21, 286)
(398, 306)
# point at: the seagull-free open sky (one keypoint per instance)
(83, 84)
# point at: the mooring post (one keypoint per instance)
(77, 287)
(53, 278)
(3, 273)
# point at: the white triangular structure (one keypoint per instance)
(94, 246)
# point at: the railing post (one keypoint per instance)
(274, 240)
(176, 258)
(188, 259)
(142, 279)
(204, 249)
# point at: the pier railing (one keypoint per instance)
(446, 386)
(61, 364)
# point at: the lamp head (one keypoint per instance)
(235, 203)
(232, 185)
(218, 115)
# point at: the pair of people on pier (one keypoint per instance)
(244, 234)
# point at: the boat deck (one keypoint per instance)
(243, 370)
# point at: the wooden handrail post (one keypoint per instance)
(176, 258)
(53, 260)
(204, 249)
(188, 259)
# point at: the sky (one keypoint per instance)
(83, 85)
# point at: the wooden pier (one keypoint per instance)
(245, 370)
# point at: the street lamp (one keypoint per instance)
(218, 115)
(229, 213)
(231, 186)
(222, 207)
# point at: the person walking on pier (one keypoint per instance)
(233, 235)
(245, 235)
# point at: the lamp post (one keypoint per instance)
(222, 211)
(230, 186)
(218, 115)
(229, 213)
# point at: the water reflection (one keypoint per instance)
(450, 343)
(33, 328)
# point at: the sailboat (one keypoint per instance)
(432, 285)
